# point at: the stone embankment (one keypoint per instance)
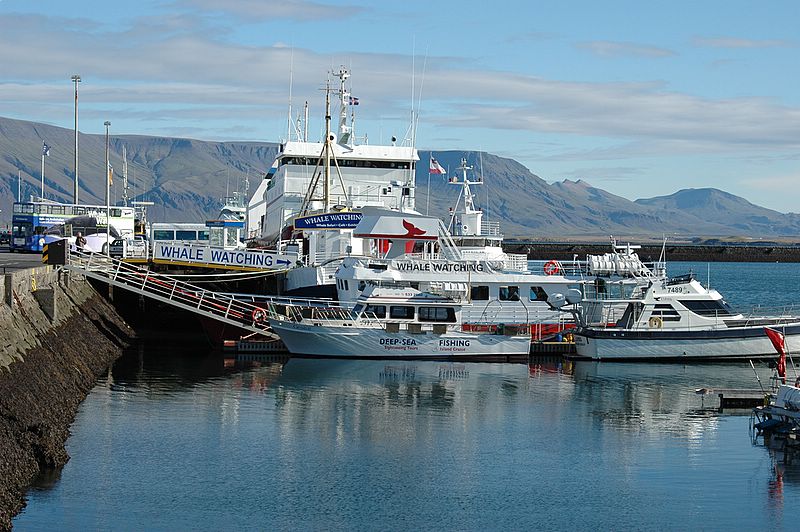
(650, 252)
(57, 335)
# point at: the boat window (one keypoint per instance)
(185, 235)
(361, 286)
(708, 308)
(440, 314)
(666, 312)
(346, 285)
(161, 234)
(538, 294)
(509, 293)
(398, 312)
(479, 293)
(378, 310)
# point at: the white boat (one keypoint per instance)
(310, 200)
(419, 252)
(677, 319)
(395, 323)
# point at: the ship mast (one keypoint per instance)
(326, 186)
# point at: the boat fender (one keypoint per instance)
(551, 267)
(655, 322)
(259, 315)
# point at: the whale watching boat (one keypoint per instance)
(466, 260)
(310, 199)
(395, 323)
(676, 318)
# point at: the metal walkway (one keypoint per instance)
(226, 308)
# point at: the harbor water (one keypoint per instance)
(172, 439)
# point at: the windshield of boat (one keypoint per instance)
(714, 307)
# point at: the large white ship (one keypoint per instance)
(311, 198)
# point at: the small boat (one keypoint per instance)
(778, 421)
(390, 323)
(679, 319)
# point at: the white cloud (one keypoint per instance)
(176, 68)
(273, 9)
(624, 49)
(738, 42)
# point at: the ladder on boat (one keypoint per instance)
(239, 311)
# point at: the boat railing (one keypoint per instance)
(490, 228)
(516, 262)
(782, 314)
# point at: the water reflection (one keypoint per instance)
(317, 444)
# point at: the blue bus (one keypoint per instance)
(37, 222)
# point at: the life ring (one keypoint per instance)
(259, 315)
(551, 268)
(655, 322)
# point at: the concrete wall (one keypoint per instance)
(57, 335)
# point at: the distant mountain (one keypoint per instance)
(737, 214)
(187, 179)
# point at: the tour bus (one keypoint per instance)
(36, 222)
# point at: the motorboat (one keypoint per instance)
(420, 252)
(390, 323)
(676, 318)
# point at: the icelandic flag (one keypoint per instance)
(778, 342)
(45, 149)
(353, 100)
(435, 167)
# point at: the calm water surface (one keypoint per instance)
(170, 440)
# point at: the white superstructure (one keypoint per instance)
(310, 199)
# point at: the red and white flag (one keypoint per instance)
(778, 342)
(435, 167)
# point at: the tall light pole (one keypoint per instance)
(108, 194)
(76, 79)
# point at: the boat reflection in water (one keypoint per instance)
(363, 444)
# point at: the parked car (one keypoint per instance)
(131, 247)
(5, 238)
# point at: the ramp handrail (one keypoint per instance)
(218, 306)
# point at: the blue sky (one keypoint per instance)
(638, 98)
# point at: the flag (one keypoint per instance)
(435, 167)
(45, 149)
(778, 343)
(353, 101)
(110, 174)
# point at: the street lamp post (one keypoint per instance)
(108, 195)
(76, 79)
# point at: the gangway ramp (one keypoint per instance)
(231, 309)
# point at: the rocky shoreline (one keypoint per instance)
(58, 335)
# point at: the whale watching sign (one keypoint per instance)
(212, 257)
(328, 220)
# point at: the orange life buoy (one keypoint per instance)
(259, 315)
(551, 268)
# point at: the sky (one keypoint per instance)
(638, 98)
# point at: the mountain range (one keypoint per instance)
(187, 179)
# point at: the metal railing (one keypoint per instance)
(227, 308)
